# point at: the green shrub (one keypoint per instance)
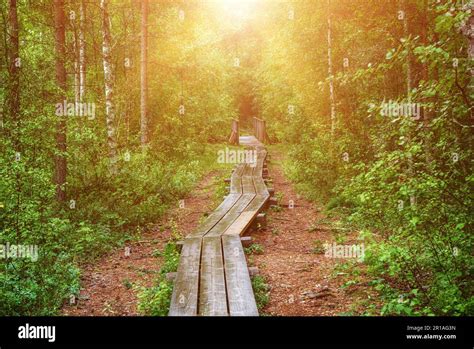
(155, 300)
(261, 291)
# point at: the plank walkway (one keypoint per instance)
(212, 277)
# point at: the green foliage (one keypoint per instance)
(254, 249)
(155, 300)
(171, 259)
(261, 291)
(318, 247)
(406, 183)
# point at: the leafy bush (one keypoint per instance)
(261, 291)
(155, 300)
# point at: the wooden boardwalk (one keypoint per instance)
(212, 277)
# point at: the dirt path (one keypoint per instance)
(302, 280)
(107, 285)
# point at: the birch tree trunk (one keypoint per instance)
(330, 73)
(79, 55)
(82, 52)
(61, 126)
(109, 87)
(143, 75)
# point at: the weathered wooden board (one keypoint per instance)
(236, 180)
(212, 293)
(231, 215)
(258, 170)
(212, 277)
(248, 170)
(260, 187)
(216, 216)
(257, 203)
(239, 287)
(247, 185)
(184, 301)
(241, 223)
(239, 170)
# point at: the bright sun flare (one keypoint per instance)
(239, 9)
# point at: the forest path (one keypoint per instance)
(300, 281)
(212, 277)
(106, 285)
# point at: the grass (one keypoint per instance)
(254, 249)
(318, 247)
(155, 300)
(261, 291)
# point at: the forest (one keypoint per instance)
(115, 114)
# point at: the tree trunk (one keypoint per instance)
(425, 77)
(82, 52)
(330, 73)
(408, 77)
(109, 87)
(468, 31)
(77, 83)
(14, 96)
(143, 75)
(406, 34)
(61, 127)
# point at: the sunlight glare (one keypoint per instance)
(238, 9)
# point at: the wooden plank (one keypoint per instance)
(239, 287)
(260, 187)
(241, 223)
(231, 215)
(184, 301)
(257, 203)
(248, 170)
(239, 169)
(212, 293)
(236, 181)
(247, 185)
(216, 216)
(261, 155)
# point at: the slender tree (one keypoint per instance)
(82, 52)
(75, 42)
(143, 74)
(330, 72)
(15, 62)
(14, 97)
(406, 35)
(61, 126)
(109, 86)
(468, 31)
(79, 54)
